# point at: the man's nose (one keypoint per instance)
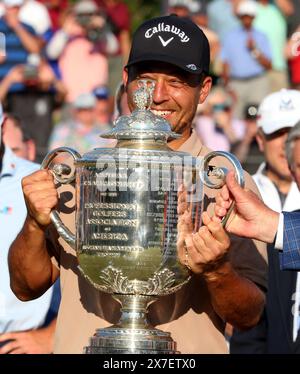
(160, 93)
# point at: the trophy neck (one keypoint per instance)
(134, 310)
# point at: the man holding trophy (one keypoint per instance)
(217, 283)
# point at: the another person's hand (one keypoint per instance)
(250, 44)
(40, 196)
(28, 342)
(46, 76)
(71, 27)
(205, 251)
(16, 74)
(12, 17)
(251, 218)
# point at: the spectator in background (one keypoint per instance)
(198, 12)
(179, 7)
(221, 17)
(20, 39)
(118, 16)
(80, 46)
(56, 9)
(277, 332)
(17, 138)
(271, 22)
(248, 152)
(83, 131)
(292, 53)
(32, 13)
(42, 93)
(102, 111)
(246, 56)
(291, 11)
(121, 104)
(216, 127)
(36, 15)
(21, 323)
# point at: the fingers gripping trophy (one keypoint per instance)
(131, 200)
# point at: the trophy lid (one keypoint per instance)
(142, 124)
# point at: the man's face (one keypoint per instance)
(86, 116)
(273, 147)
(102, 111)
(13, 138)
(296, 162)
(12, 11)
(246, 21)
(176, 95)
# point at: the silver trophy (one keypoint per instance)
(129, 204)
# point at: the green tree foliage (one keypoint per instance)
(142, 10)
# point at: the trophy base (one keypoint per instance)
(116, 340)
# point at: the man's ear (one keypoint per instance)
(292, 171)
(205, 89)
(260, 141)
(31, 150)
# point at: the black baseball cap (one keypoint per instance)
(172, 39)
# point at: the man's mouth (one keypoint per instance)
(161, 113)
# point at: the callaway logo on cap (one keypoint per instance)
(171, 39)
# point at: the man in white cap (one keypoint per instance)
(20, 323)
(246, 56)
(277, 114)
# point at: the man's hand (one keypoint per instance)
(29, 342)
(250, 44)
(40, 196)
(16, 74)
(206, 250)
(71, 27)
(251, 218)
(12, 17)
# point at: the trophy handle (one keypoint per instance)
(220, 173)
(58, 170)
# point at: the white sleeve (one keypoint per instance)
(57, 44)
(279, 235)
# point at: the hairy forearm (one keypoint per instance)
(29, 41)
(237, 300)
(29, 263)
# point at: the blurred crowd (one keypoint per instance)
(61, 67)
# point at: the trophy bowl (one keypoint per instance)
(132, 204)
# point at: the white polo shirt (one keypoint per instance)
(15, 315)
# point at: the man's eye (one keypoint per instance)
(176, 82)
